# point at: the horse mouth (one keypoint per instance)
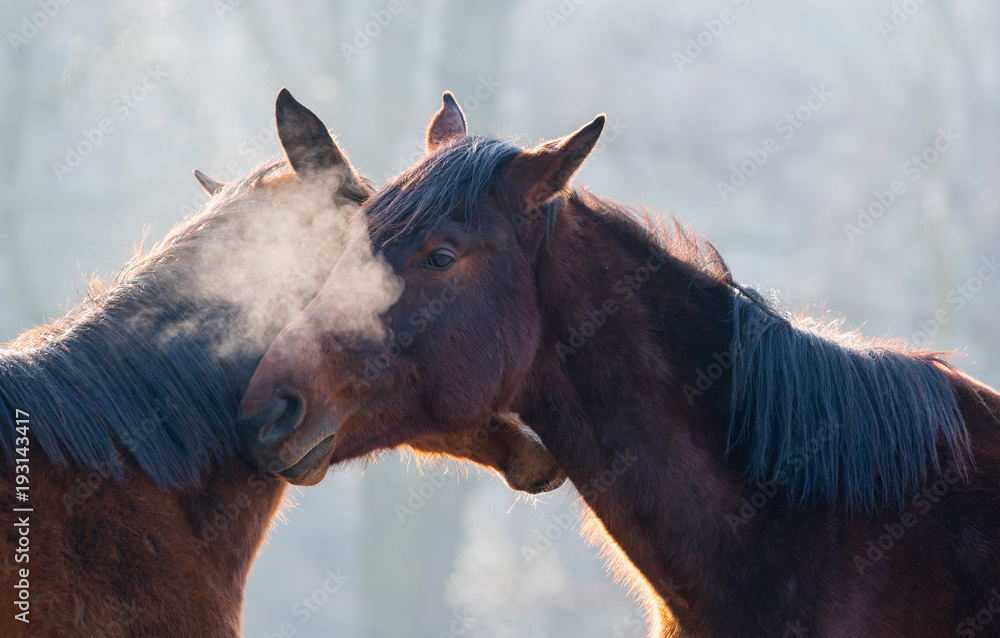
(530, 481)
(283, 442)
(311, 468)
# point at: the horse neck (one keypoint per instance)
(607, 393)
(212, 525)
(229, 516)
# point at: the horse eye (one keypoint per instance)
(439, 260)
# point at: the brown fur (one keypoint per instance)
(127, 557)
(536, 263)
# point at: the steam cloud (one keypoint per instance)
(268, 255)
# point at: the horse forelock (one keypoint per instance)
(834, 417)
(132, 366)
(454, 179)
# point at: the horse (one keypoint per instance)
(754, 473)
(127, 509)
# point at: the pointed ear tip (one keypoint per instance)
(197, 173)
(447, 97)
(599, 120)
(284, 99)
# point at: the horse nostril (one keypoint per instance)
(281, 418)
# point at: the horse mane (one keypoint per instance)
(831, 415)
(665, 233)
(823, 413)
(456, 176)
(134, 364)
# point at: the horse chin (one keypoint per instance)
(311, 469)
(534, 472)
(541, 485)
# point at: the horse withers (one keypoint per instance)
(764, 475)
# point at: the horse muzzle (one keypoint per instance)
(278, 439)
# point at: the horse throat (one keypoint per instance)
(608, 395)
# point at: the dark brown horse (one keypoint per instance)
(126, 509)
(766, 477)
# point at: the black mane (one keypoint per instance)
(829, 415)
(455, 177)
(821, 412)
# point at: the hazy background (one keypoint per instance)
(201, 79)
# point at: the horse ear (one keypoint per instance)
(311, 150)
(448, 123)
(211, 186)
(546, 170)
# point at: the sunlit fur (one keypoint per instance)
(127, 395)
(660, 622)
(734, 536)
(885, 408)
(142, 347)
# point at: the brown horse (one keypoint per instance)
(126, 509)
(765, 476)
